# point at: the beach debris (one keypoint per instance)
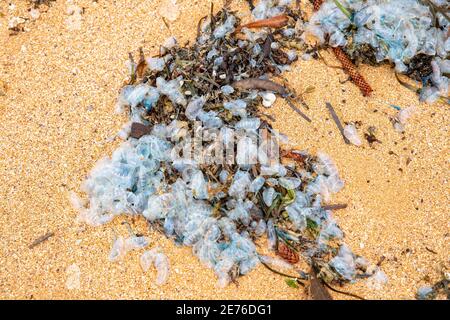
(438, 289)
(292, 283)
(138, 130)
(41, 239)
(287, 253)
(41, 3)
(351, 70)
(159, 260)
(273, 22)
(410, 34)
(351, 134)
(337, 121)
(207, 98)
(73, 274)
(370, 135)
(17, 24)
(345, 61)
(335, 207)
(426, 293)
(317, 290)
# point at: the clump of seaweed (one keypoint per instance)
(221, 207)
(440, 288)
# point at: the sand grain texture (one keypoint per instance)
(57, 116)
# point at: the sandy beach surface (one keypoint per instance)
(62, 77)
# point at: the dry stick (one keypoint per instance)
(166, 24)
(199, 25)
(337, 121)
(41, 239)
(304, 116)
(335, 207)
(343, 292)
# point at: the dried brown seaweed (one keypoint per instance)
(279, 21)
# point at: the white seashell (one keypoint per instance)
(269, 99)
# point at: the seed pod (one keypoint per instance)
(317, 4)
(350, 68)
(287, 253)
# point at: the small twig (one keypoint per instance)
(133, 68)
(41, 239)
(335, 207)
(431, 250)
(199, 25)
(304, 116)
(343, 292)
(380, 262)
(337, 121)
(212, 18)
(208, 80)
(270, 117)
(166, 24)
(281, 273)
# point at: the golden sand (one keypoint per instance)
(57, 116)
